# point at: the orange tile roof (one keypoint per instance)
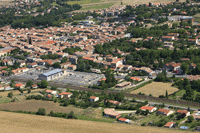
(147, 108)
(169, 124)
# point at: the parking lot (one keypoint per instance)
(80, 78)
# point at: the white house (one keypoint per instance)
(51, 92)
(94, 99)
(151, 109)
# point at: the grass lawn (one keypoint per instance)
(150, 117)
(102, 6)
(83, 2)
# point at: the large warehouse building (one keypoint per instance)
(53, 74)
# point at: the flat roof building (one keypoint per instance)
(53, 74)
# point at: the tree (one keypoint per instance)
(56, 65)
(119, 96)
(184, 67)
(166, 95)
(71, 115)
(53, 88)
(10, 94)
(190, 118)
(43, 84)
(29, 83)
(41, 111)
(29, 90)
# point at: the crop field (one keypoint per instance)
(156, 89)
(97, 6)
(82, 2)
(23, 123)
(34, 105)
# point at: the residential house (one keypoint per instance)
(65, 95)
(72, 67)
(124, 120)
(168, 38)
(151, 109)
(51, 92)
(1, 88)
(21, 63)
(94, 99)
(183, 113)
(114, 102)
(7, 87)
(34, 86)
(32, 65)
(165, 112)
(65, 65)
(111, 113)
(135, 79)
(170, 124)
(19, 85)
(196, 115)
(192, 66)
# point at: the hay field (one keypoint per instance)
(23, 123)
(156, 89)
(34, 105)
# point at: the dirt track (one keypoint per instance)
(24, 123)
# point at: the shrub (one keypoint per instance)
(41, 111)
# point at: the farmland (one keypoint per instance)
(13, 122)
(34, 105)
(156, 89)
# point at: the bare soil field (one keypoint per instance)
(23, 123)
(34, 105)
(156, 89)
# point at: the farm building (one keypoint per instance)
(94, 99)
(169, 124)
(165, 112)
(114, 102)
(151, 109)
(124, 120)
(56, 73)
(123, 84)
(111, 113)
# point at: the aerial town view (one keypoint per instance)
(99, 66)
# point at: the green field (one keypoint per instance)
(197, 17)
(102, 6)
(83, 2)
